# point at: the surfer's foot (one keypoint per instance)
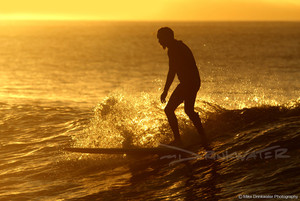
(205, 144)
(204, 140)
(177, 143)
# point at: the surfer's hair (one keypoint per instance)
(165, 32)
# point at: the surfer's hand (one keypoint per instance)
(163, 97)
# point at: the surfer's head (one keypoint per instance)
(165, 36)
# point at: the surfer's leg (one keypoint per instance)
(189, 109)
(175, 100)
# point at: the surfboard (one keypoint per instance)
(154, 150)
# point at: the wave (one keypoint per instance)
(124, 120)
(121, 120)
(223, 120)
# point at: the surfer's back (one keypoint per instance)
(182, 60)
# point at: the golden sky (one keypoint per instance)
(151, 10)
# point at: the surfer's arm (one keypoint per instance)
(170, 78)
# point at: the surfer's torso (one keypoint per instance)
(181, 60)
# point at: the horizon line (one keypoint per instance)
(127, 20)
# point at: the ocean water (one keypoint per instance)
(98, 84)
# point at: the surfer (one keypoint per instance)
(182, 64)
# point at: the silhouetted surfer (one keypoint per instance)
(182, 64)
